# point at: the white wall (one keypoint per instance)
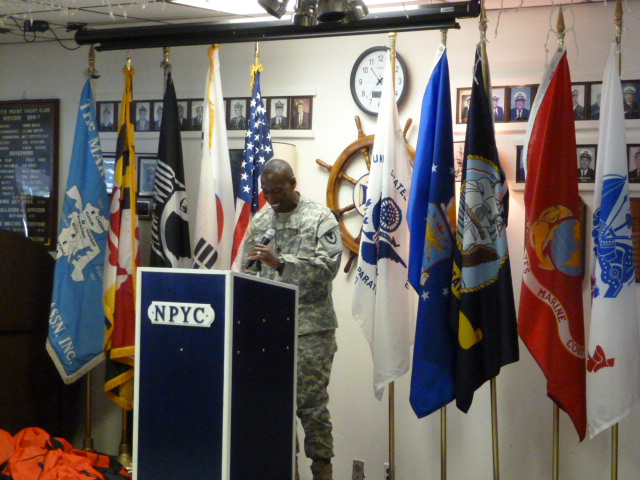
(517, 56)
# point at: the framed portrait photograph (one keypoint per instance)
(463, 101)
(458, 159)
(578, 97)
(631, 98)
(279, 113)
(586, 155)
(144, 207)
(237, 113)
(499, 104)
(633, 156)
(109, 160)
(141, 112)
(107, 113)
(183, 114)
(520, 101)
(156, 115)
(301, 113)
(594, 91)
(197, 112)
(146, 174)
(520, 172)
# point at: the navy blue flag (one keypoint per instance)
(430, 216)
(483, 311)
(170, 244)
(258, 150)
(76, 322)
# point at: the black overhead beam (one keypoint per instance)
(425, 17)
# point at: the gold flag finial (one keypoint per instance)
(256, 67)
(483, 23)
(392, 51)
(128, 64)
(560, 27)
(93, 73)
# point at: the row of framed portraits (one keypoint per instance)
(513, 103)
(585, 162)
(285, 113)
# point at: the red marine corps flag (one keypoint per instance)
(123, 258)
(551, 321)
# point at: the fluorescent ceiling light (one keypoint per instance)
(235, 7)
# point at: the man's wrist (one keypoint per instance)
(281, 265)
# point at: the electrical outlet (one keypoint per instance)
(358, 470)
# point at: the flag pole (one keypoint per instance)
(392, 461)
(494, 401)
(560, 29)
(614, 429)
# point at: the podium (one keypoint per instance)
(215, 376)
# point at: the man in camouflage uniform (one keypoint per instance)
(306, 252)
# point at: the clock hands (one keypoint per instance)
(379, 78)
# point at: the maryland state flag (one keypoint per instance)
(483, 309)
(170, 244)
(551, 321)
(123, 258)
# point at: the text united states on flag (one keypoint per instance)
(257, 152)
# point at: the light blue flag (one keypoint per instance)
(431, 210)
(76, 321)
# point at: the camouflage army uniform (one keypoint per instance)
(308, 240)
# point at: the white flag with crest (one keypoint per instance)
(383, 300)
(215, 214)
(613, 367)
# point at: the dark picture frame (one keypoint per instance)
(144, 208)
(107, 116)
(579, 98)
(594, 93)
(146, 174)
(274, 104)
(520, 171)
(109, 161)
(237, 113)
(581, 155)
(156, 114)
(184, 114)
(463, 97)
(141, 116)
(633, 150)
(516, 93)
(196, 115)
(301, 113)
(631, 98)
(500, 104)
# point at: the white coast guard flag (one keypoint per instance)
(215, 211)
(613, 367)
(383, 300)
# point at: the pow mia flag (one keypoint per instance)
(170, 244)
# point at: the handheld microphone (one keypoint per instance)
(268, 236)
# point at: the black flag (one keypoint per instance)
(170, 245)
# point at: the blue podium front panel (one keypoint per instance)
(180, 376)
(215, 376)
(264, 376)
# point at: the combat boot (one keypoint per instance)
(322, 470)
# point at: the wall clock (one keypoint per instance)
(366, 79)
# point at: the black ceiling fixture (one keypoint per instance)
(424, 17)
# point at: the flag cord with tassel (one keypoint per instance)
(256, 67)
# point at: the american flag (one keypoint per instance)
(257, 152)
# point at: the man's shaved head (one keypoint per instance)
(278, 166)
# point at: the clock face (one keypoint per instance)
(366, 79)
